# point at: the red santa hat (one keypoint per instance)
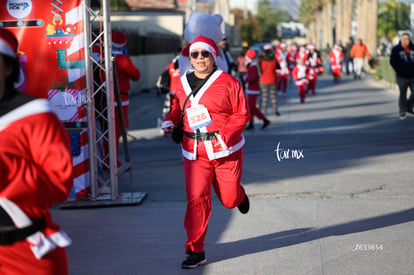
(202, 42)
(267, 47)
(118, 39)
(8, 43)
(250, 55)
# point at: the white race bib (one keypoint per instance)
(198, 117)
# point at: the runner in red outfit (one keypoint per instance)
(214, 119)
(253, 90)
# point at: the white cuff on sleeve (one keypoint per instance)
(167, 124)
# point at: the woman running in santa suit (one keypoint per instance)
(301, 73)
(314, 63)
(214, 119)
(336, 56)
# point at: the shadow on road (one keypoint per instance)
(224, 251)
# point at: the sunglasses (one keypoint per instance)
(203, 54)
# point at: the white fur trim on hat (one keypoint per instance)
(267, 47)
(117, 45)
(205, 46)
(310, 46)
(118, 39)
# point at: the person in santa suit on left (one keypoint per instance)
(282, 72)
(314, 62)
(125, 71)
(213, 122)
(253, 89)
(336, 56)
(35, 173)
(300, 73)
(302, 53)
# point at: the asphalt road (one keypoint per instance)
(330, 184)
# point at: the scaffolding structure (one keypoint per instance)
(104, 171)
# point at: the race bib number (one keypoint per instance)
(198, 117)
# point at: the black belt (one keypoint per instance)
(11, 234)
(201, 136)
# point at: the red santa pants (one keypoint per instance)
(336, 73)
(225, 175)
(282, 82)
(254, 111)
(302, 90)
(312, 85)
(18, 259)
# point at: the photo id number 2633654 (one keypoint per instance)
(368, 247)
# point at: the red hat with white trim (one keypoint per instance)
(118, 39)
(250, 55)
(267, 47)
(205, 43)
(310, 46)
(8, 43)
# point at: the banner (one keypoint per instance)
(51, 55)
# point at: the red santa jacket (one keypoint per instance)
(35, 165)
(302, 53)
(282, 58)
(125, 71)
(225, 101)
(268, 71)
(174, 72)
(315, 63)
(300, 73)
(336, 57)
(252, 79)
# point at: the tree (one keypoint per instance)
(309, 10)
(392, 17)
(119, 5)
(249, 26)
(269, 18)
(262, 27)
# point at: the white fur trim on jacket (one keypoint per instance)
(40, 244)
(33, 107)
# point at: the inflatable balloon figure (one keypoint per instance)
(207, 25)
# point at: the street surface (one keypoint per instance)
(330, 184)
